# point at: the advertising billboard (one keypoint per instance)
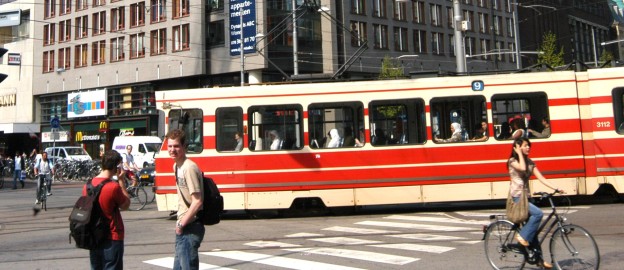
(89, 103)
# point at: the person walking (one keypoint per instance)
(19, 166)
(520, 168)
(43, 171)
(113, 199)
(189, 230)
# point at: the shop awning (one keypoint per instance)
(20, 128)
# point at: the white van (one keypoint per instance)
(143, 148)
(67, 152)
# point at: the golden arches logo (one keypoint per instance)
(79, 136)
(103, 125)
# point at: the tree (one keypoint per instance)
(606, 58)
(390, 68)
(550, 56)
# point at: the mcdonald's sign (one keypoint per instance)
(103, 127)
(80, 137)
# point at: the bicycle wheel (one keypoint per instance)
(1, 181)
(138, 198)
(501, 248)
(572, 247)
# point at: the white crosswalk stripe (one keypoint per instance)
(427, 237)
(414, 226)
(277, 261)
(345, 241)
(417, 247)
(167, 262)
(270, 244)
(358, 230)
(435, 219)
(359, 255)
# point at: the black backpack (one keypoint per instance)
(87, 224)
(213, 203)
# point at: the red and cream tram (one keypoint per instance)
(288, 155)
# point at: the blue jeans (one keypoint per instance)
(187, 246)
(529, 230)
(17, 174)
(108, 257)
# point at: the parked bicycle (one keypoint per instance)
(7, 172)
(571, 246)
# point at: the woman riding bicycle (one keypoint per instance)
(44, 170)
(521, 167)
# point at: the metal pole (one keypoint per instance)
(595, 50)
(460, 53)
(242, 48)
(516, 38)
(295, 49)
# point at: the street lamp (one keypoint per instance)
(611, 42)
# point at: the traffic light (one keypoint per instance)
(2, 52)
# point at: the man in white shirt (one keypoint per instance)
(130, 167)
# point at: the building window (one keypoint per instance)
(64, 58)
(99, 23)
(435, 14)
(80, 55)
(400, 39)
(483, 23)
(137, 45)
(358, 7)
(98, 52)
(499, 48)
(437, 43)
(158, 11)
(82, 4)
(158, 41)
(98, 2)
(400, 10)
(470, 46)
(181, 37)
(49, 8)
(137, 14)
(420, 41)
(497, 25)
(48, 34)
(82, 24)
(418, 12)
(468, 17)
(381, 36)
(358, 33)
(118, 18)
(65, 7)
(180, 8)
(48, 61)
(117, 49)
(512, 48)
(485, 49)
(510, 27)
(64, 31)
(216, 34)
(452, 45)
(483, 3)
(216, 5)
(379, 8)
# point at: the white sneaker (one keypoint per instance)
(37, 201)
(49, 194)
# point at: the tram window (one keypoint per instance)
(618, 109)
(396, 122)
(519, 110)
(191, 122)
(275, 127)
(229, 122)
(346, 117)
(463, 113)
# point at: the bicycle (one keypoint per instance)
(138, 195)
(571, 246)
(42, 193)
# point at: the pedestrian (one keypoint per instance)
(113, 199)
(19, 166)
(520, 168)
(189, 230)
(545, 131)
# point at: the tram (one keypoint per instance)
(390, 138)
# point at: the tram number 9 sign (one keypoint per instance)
(477, 85)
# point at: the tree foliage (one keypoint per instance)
(390, 68)
(550, 55)
(606, 57)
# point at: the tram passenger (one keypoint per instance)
(334, 140)
(348, 140)
(545, 131)
(275, 140)
(360, 140)
(455, 137)
(379, 138)
(505, 132)
(517, 127)
(239, 142)
(480, 132)
(520, 168)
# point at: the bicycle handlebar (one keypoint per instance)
(547, 194)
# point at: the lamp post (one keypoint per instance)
(295, 48)
(242, 48)
(460, 53)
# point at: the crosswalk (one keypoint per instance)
(399, 240)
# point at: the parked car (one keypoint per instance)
(67, 152)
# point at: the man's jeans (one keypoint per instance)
(17, 174)
(109, 257)
(187, 246)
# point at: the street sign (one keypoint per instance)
(55, 122)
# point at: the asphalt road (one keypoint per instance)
(434, 236)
